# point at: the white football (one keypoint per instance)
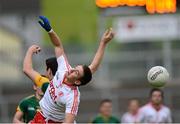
(158, 76)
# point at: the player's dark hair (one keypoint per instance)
(43, 75)
(105, 101)
(86, 78)
(52, 64)
(156, 90)
(133, 99)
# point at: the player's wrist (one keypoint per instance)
(51, 30)
(103, 42)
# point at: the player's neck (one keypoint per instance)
(68, 82)
(105, 116)
(157, 107)
(50, 78)
(38, 97)
(134, 112)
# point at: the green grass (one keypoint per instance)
(75, 21)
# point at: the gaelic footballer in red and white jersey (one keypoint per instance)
(60, 98)
(155, 111)
(150, 115)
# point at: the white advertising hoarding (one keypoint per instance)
(146, 28)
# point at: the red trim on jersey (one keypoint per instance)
(157, 109)
(66, 62)
(75, 102)
(63, 79)
(70, 85)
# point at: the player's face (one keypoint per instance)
(156, 97)
(133, 106)
(75, 73)
(49, 74)
(106, 109)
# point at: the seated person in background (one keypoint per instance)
(105, 113)
(132, 115)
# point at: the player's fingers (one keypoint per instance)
(111, 28)
(109, 34)
(112, 34)
(41, 17)
(109, 31)
(106, 32)
(41, 23)
(38, 49)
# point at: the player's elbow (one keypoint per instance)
(93, 69)
(15, 120)
(26, 70)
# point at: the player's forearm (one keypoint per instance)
(44, 22)
(98, 57)
(69, 118)
(27, 64)
(15, 120)
(55, 39)
(107, 37)
(57, 43)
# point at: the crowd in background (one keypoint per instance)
(152, 112)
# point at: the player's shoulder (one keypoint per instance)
(73, 94)
(146, 106)
(166, 108)
(59, 75)
(75, 91)
(115, 119)
(125, 114)
(97, 118)
(28, 98)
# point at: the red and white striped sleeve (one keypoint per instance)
(72, 102)
(63, 64)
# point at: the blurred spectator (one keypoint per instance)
(155, 111)
(132, 116)
(105, 113)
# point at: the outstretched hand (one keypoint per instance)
(107, 36)
(35, 49)
(44, 22)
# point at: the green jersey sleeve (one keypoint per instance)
(22, 106)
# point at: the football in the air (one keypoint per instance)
(158, 76)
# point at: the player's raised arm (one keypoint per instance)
(53, 36)
(27, 64)
(106, 38)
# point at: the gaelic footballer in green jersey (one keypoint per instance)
(105, 113)
(28, 106)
